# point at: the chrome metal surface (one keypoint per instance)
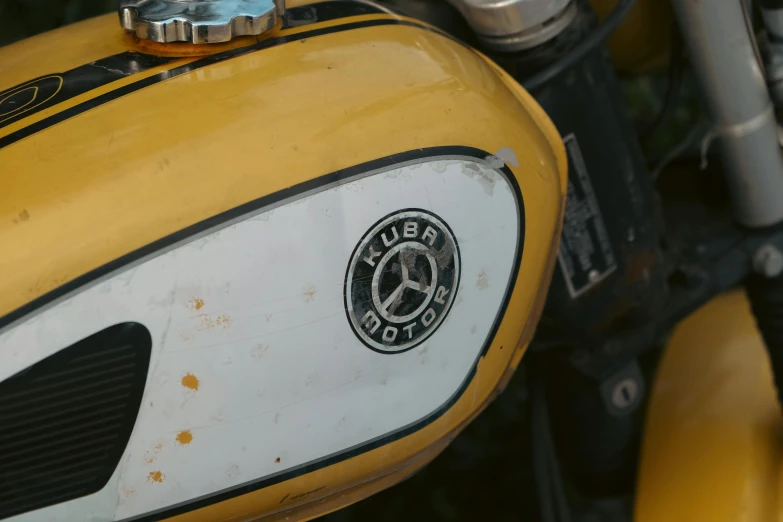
(768, 261)
(199, 21)
(625, 394)
(503, 18)
(533, 36)
(735, 94)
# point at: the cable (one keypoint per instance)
(581, 50)
(696, 133)
(552, 499)
(676, 70)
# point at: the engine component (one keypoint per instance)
(438, 13)
(518, 24)
(611, 271)
(611, 275)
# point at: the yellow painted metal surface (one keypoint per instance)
(65, 48)
(108, 181)
(178, 138)
(643, 40)
(714, 431)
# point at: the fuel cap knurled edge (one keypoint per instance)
(199, 21)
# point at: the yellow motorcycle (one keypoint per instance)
(263, 259)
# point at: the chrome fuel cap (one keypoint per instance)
(199, 21)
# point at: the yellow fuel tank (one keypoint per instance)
(258, 279)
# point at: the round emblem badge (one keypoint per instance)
(401, 280)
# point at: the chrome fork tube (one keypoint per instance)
(735, 94)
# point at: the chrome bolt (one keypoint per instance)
(768, 261)
(625, 394)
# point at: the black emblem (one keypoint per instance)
(401, 280)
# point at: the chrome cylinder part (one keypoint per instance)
(514, 25)
(735, 93)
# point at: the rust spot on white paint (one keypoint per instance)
(184, 437)
(196, 303)
(190, 381)
(156, 477)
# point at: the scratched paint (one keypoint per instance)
(258, 350)
(482, 176)
(207, 322)
(508, 156)
(482, 281)
(272, 293)
(152, 454)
